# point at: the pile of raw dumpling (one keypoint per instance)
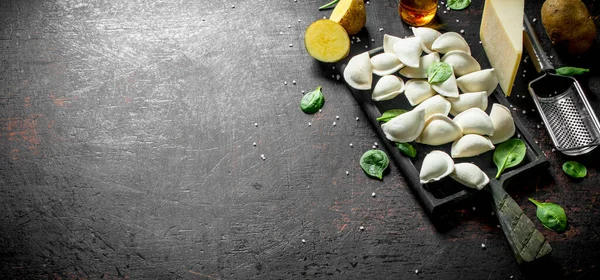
(464, 95)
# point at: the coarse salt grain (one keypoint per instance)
(347, 173)
(350, 144)
(285, 82)
(320, 110)
(337, 117)
(357, 118)
(255, 124)
(361, 228)
(380, 29)
(482, 245)
(462, 31)
(294, 82)
(303, 241)
(374, 147)
(291, 45)
(373, 194)
(309, 123)
(416, 271)
(254, 144)
(334, 123)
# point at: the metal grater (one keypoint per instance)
(561, 102)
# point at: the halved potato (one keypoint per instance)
(326, 41)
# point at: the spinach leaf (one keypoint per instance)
(329, 5)
(438, 72)
(458, 4)
(374, 162)
(407, 149)
(312, 101)
(509, 154)
(551, 215)
(574, 169)
(571, 71)
(390, 114)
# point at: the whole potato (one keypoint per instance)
(569, 22)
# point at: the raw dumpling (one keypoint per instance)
(468, 100)
(434, 105)
(482, 80)
(417, 90)
(462, 62)
(439, 130)
(421, 71)
(409, 51)
(474, 121)
(450, 41)
(405, 127)
(427, 36)
(388, 87)
(436, 165)
(385, 64)
(447, 88)
(504, 125)
(469, 175)
(471, 145)
(359, 72)
(388, 43)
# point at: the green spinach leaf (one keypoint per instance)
(551, 215)
(571, 71)
(574, 169)
(374, 162)
(509, 154)
(458, 4)
(329, 5)
(390, 114)
(438, 72)
(312, 101)
(407, 149)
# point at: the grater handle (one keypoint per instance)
(534, 48)
(526, 242)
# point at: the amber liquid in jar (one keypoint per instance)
(417, 12)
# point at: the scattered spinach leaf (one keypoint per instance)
(312, 101)
(458, 4)
(438, 72)
(329, 5)
(574, 169)
(571, 71)
(551, 215)
(509, 154)
(374, 162)
(390, 114)
(407, 149)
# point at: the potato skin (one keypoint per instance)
(569, 22)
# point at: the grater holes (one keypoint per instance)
(567, 123)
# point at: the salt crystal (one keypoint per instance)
(232, 6)
(309, 124)
(337, 117)
(457, 20)
(416, 271)
(373, 194)
(294, 82)
(347, 173)
(291, 45)
(334, 123)
(356, 118)
(350, 144)
(255, 124)
(482, 245)
(380, 29)
(361, 228)
(524, 111)
(374, 147)
(375, 143)
(254, 144)
(462, 31)
(303, 241)
(534, 19)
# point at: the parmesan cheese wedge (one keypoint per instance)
(501, 34)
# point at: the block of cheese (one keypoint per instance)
(501, 34)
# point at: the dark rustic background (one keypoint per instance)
(127, 151)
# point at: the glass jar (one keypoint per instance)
(417, 12)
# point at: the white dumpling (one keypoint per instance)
(427, 36)
(462, 62)
(482, 80)
(388, 87)
(409, 51)
(385, 64)
(388, 43)
(359, 72)
(469, 175)
(405, 127)
(439, 130)
(418, 90)
(447, 88)
(467, 101)
(436, 104)
(450, 41)
(470, 145)
(436, 165)
(421, 71)
(474, 121)
(504, 125)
